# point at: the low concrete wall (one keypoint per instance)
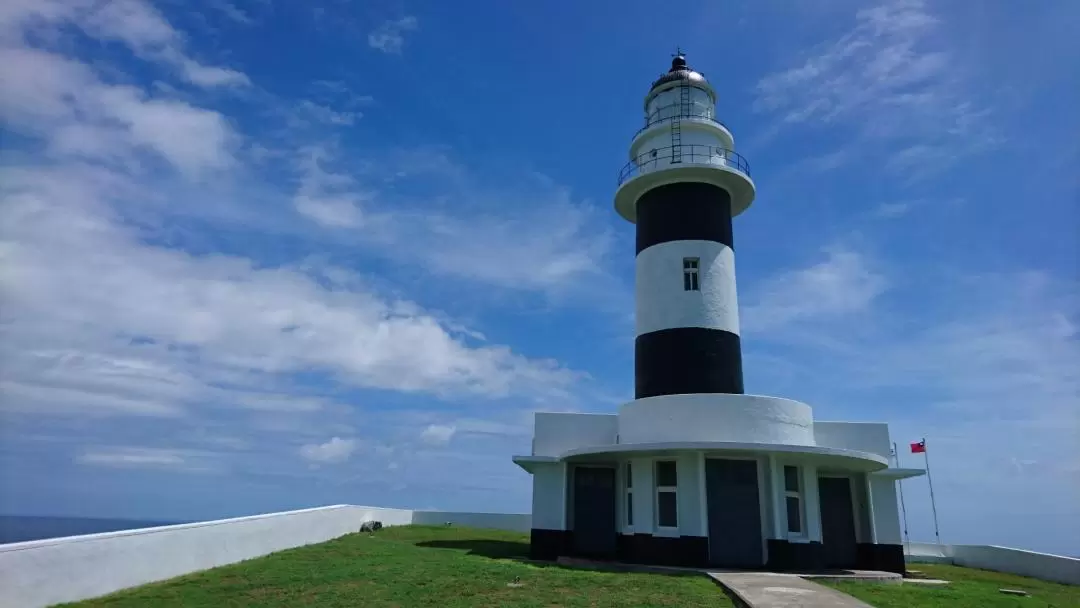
(50, 571)
(1017, 561)
(1043, 566)
(916, 550)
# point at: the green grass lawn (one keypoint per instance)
(416, 566)
(969, 589)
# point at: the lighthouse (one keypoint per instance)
(693, 471)
(682, 186)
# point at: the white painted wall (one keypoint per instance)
(1044, 566)
(884, 512)
(556, 433)
(870, 437)
(45, 572)
(716, 417)
(549, 496)
(662, 300)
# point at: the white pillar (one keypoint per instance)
(689, 496)
(775, 481)
(703, 495)
(811, 503)
(643, 495)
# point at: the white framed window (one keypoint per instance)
(667, 494)
(690, 274)
(629, 495)
(793, 500)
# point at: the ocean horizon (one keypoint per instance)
(22, 528)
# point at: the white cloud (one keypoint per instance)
(844, 284)
(65, 102)
(76, 276)
(888, 78)
(553, 244)
(389, 37)
(338, 212)
(134, 23)
(327, 198)
(65, 381)
(107, 316)
(123, 457)
(211, 76)
(231, 11)
(333, 451)
(437, 434)
(309, 110)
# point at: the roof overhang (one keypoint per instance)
(825, 456)
(898, 473)
(529, 463)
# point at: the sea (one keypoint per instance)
(20, 528)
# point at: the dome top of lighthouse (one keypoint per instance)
(680, 71)
(679, 74)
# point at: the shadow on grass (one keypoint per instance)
(494, 549)
(519, 551)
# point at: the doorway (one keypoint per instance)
(594, 511)
(734, 511)
(837, 522)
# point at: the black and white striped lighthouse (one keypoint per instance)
(682, 187)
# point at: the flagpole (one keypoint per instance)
(930, 480)
(900, 485)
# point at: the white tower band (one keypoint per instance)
(683, 185)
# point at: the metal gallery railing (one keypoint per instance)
(660, 116)
(686, 154)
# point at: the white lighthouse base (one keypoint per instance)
(715, 480)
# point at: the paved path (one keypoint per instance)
(766, 590)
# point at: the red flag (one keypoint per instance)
(918, 448)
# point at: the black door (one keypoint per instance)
(731, 489)
(837, 522)
(594, 511)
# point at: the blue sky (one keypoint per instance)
(263, 255)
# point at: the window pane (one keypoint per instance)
(629, 508)
(693, 282)
(686, 281)
(629, 476)
(666, 474)
(794, 515)
(668, 510)
(791, 479)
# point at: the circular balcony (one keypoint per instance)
(690, 154)
(721, 167)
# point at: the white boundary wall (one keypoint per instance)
(50, 571)
(1043, 566)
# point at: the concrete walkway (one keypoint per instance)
(768, 590)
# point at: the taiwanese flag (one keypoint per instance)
(918, 448)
